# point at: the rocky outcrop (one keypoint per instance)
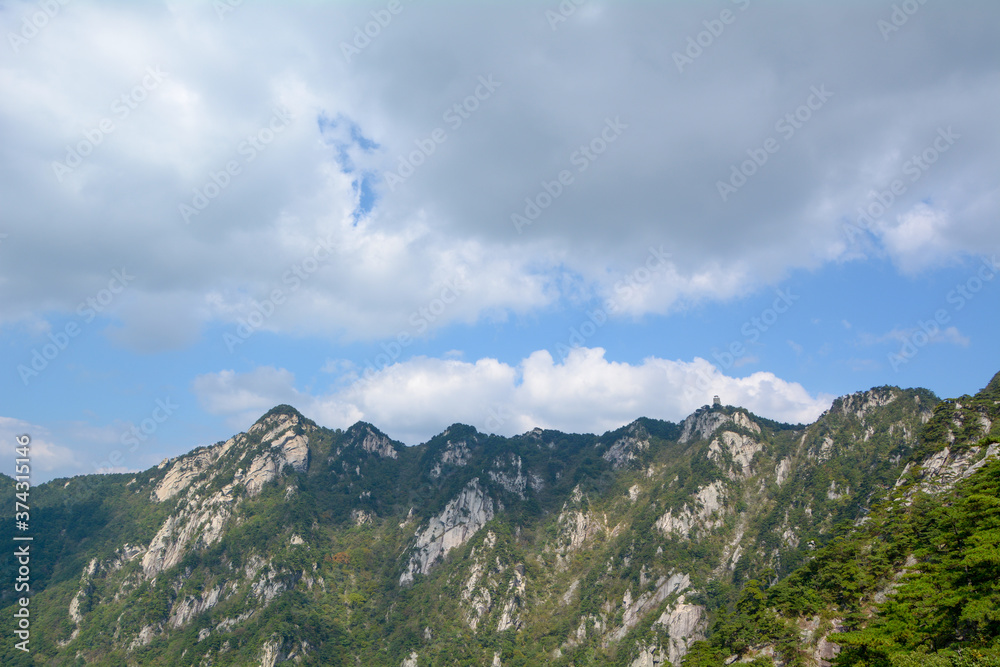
(272, 653)
(941, 471)
(704, 422)
(627, 448)
(861, 403)
(649, 656)
(705, 514)
(634, 610)
(477, 591)
(685, 624)
(184, 611)
(371, 441)
(185, 469)
(576, 527)
(200, 521)
(740, 449)
(284, 447)
(145, 636)
(455, 454)
(461, 518)
(509, 617)
(824, 451)
(782, 470)
(362, 517)
(197, 524)
(483, 590)
(507, 473)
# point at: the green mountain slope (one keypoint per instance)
(916, 582)
(293, 542)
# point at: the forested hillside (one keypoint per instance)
(872, 532)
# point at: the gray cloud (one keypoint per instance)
(655, 184)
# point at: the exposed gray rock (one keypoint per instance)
(627, 448)
(782, 470)
(649, 656)
(685, 624)
(228, 624)
(516, 595)
(455, 454)
(941, 471)
(272, 653)
(461, 518)
(741, 449)
(576, 528)
(836, 492)
(185, 469)
(567, 597)
(507, 473)
(294, 450)
(193, 525)
(702, 424)
(285, 448)
(378, 444)
(633, 611)
(146, 635)
(861, 403)
(184, 611)
(705, 515)
(362, 517)
(479, 598)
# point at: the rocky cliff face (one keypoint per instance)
(200, 516)
(461, 518)
(629, 447)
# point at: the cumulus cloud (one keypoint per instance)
(203, 133)
(245, 395)
(418, 398)
(46, 455)
(918, 237)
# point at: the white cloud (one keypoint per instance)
(46, 455)
(949, 335)
(920, 238)
(418, 398)
(245, 395)
(655, 185)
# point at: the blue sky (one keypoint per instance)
(503, 216)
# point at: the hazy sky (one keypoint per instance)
(508, 215)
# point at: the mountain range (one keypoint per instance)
(869, 537)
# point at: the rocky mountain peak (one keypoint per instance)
(582, 548)
(861, 403)
(705, 421)
(369, 439)
(281, 414)
(629, 446)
